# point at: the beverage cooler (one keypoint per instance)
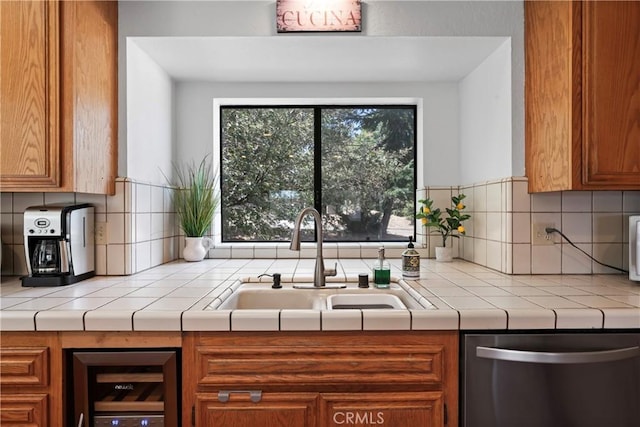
(124, 388)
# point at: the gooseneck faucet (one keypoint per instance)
(320, 273)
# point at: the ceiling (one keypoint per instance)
(319, 58)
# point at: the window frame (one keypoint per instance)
(314, 103)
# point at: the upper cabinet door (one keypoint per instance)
(29, 107)
(582, 95)
(58, 103)
(611, 95)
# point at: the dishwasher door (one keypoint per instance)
(551, 380)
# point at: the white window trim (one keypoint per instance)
(220, 102)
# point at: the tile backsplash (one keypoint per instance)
(142, 230)
(140, 227)
(498, 234)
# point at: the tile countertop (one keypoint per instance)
(457, 295)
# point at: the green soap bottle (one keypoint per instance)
(381, 271)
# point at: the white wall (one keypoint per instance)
(381, 18)
(194, 114)
(485, 119)
(150, 120)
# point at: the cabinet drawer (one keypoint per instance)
(273, 409)
(24, 366)
(424, 409)
(327, 365)
(24, 410)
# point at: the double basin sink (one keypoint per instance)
(297, 296)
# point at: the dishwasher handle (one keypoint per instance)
(557, 358)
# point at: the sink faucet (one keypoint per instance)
(320, 273)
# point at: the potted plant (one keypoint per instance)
(195, 201)
(448, 226)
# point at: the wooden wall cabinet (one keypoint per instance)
(30, 380)
(58, 91)
(582, 95)
(320, 379)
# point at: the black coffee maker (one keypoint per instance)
(59, 244)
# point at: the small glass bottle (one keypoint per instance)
(410, 261)
(381, 271)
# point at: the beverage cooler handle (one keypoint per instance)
(557, 358)
(638, 248)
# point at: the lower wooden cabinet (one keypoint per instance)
(399, 379)
(30, 380)
(273, 409)
(384, 409)
(243, 409)
(23, 410)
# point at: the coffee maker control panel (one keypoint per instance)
(41, 225)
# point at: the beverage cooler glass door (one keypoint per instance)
(551, 380)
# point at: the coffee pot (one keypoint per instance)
(46, 257)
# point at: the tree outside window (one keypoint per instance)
(356, 165)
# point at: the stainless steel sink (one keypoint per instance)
(299, 295)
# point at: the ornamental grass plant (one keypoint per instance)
(447, 226)
(195, 199)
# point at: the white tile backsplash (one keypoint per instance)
(576, 201)
(594, 220)
(58, 198)
(546, 202)
(6, 202)
(143, 232)
(607, 201)
(631, 202)
(577, 226)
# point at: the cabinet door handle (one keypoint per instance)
(81, 419)
(557, 358)
(254, 395)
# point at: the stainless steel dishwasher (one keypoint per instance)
(550, 380)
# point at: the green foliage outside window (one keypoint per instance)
(367, 172)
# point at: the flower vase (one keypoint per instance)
(195, 248)
(444, 254)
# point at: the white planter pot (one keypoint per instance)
(444, 254)
(195, 248)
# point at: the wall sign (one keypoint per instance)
(318, 15)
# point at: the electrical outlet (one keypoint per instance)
(101, 233)
(538, 234)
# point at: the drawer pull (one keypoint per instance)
(254, 395)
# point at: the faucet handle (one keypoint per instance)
(331, 271)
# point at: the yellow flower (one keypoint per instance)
(460, 229)
(424, 221)
(460, 206)
(425, 210)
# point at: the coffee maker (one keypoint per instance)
(59, 244)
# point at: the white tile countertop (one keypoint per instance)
(457, 295)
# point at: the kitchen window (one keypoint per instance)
(354, 163)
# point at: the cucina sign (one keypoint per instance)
(318, 15)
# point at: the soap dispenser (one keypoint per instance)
(381, 271)
(410, 261)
